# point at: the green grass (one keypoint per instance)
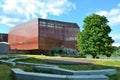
(5, 71)
(30, 60)
(98, 64)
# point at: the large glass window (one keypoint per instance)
(50, 24)
(42, 23)
(58, 25)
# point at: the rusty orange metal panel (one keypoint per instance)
(57, 34)
(43, 34)
(24, 36)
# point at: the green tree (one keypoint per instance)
(94, 38)
(117, 51)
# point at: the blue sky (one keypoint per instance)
(13, 12)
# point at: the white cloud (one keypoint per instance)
(119, 5)
(116, 44)
(116, 37)
(17, 11)
(113, 15)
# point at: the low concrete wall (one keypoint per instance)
(3, 57)
(33, 64)
(107, 72)
(18, 58)
(8, 62)
(54, 70)
(21, 75)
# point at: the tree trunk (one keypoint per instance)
(94, 56)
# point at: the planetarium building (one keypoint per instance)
(43, 35)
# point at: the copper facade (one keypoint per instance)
(3, 37)
(43, 34)
(24, 36)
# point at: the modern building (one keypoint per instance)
(3, 37)
(43, 35)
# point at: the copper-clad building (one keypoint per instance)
(43, 34)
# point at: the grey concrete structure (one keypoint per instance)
(107, 72)
(22, 75)
(11, 62)
(8, 62)
(59, 73)
(34, 64)
(4, 47)
(3, 57)
(18, 58)
(54, 70)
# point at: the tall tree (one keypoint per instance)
(94, 38)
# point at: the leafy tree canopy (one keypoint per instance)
(94, 38)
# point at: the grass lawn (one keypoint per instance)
(98, 64)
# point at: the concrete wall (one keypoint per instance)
(4, 47)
